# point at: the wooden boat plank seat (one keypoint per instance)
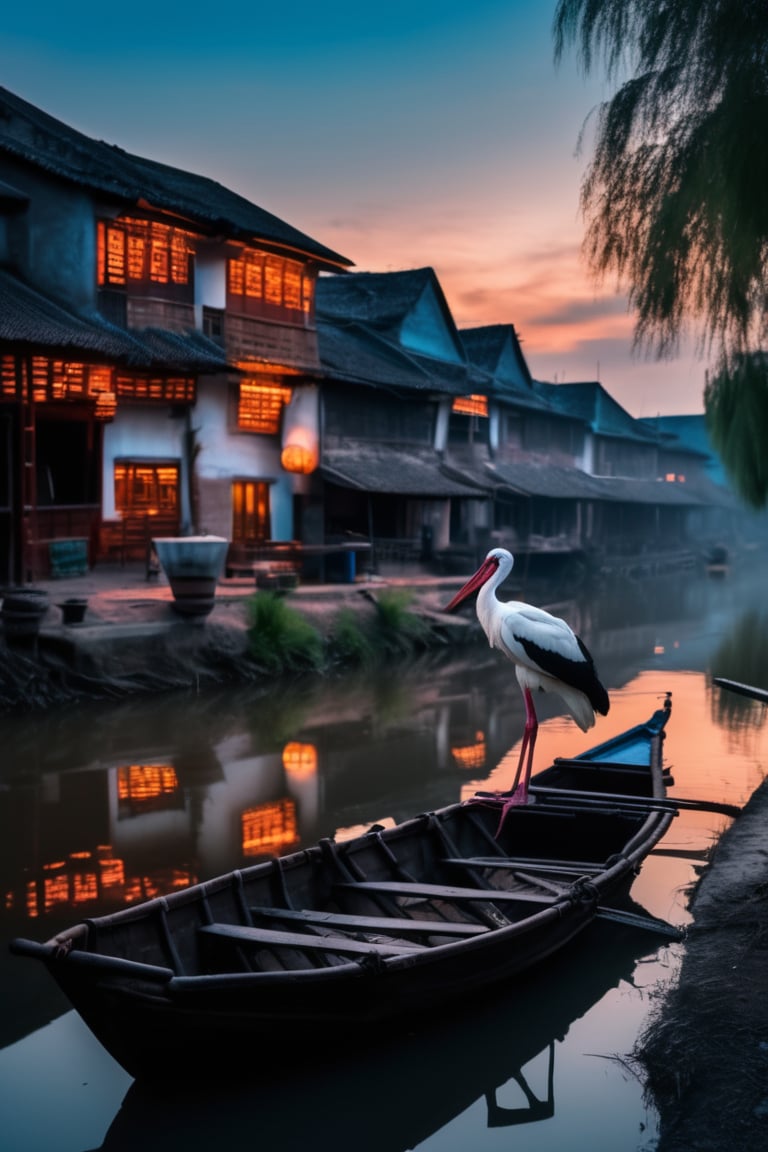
(513, 864)
(389, 925)
(241, 934)
(446, 892)
(607, 801)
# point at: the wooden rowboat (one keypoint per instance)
(332, 942)
(501, 1057)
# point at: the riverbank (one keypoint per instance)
(705, 1055)
(132, 640)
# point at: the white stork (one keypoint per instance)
(547, 655)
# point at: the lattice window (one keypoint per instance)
(292, 285)
(146, 487)
(273, 279)
(159, 254)
(269, 827)
(260, 406)
(164, 389)
(56, 379)
(473, 405)
(8, 378)
(137, 248)
(140, 251)
(254, 276)
(180, 252)
(236, 274)
(139, 782)
(111, 254)
(147, 788)
(99, 380)
(258, 282)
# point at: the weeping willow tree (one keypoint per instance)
(675, 196)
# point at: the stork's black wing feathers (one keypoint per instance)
(580, 674)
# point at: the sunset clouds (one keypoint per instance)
(401, 133)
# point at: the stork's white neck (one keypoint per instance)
(488, 606)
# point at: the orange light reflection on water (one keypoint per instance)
(711, 758)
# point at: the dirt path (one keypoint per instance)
(706, 1052)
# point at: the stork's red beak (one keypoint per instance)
(484, 572)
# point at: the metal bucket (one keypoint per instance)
(73, 610)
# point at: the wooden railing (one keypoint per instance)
(332, 562)
(130, 536)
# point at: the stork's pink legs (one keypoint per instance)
(518, 793)
(520, 789)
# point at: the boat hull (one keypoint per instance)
(334, 943)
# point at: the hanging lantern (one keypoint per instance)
(298, 458)
(300, 760)
(106, 405)
(301, 424)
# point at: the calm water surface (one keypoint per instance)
(102, 806)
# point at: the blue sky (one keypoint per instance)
(401, 134)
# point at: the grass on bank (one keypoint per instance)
(282, 641)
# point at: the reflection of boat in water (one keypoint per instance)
(394, 1094)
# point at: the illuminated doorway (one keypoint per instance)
(250, 511)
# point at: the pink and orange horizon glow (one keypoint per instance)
(401, 134)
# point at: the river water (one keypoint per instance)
(104, 805)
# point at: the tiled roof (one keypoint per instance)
(534, 478)
(378, 468)
(493, 349)
(350, 352)
(485, 345)
(189, 352)
(36, 137)
(379, 299)
(490, 345)
(354, 352)
(588, 401)
(28, 317)
(681, 433)
(382, 305)
(557, 482)
(638, 491)
(456, 379)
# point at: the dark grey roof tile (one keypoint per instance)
(32, 135)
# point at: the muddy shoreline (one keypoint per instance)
(134, 645)
(704, 1058)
